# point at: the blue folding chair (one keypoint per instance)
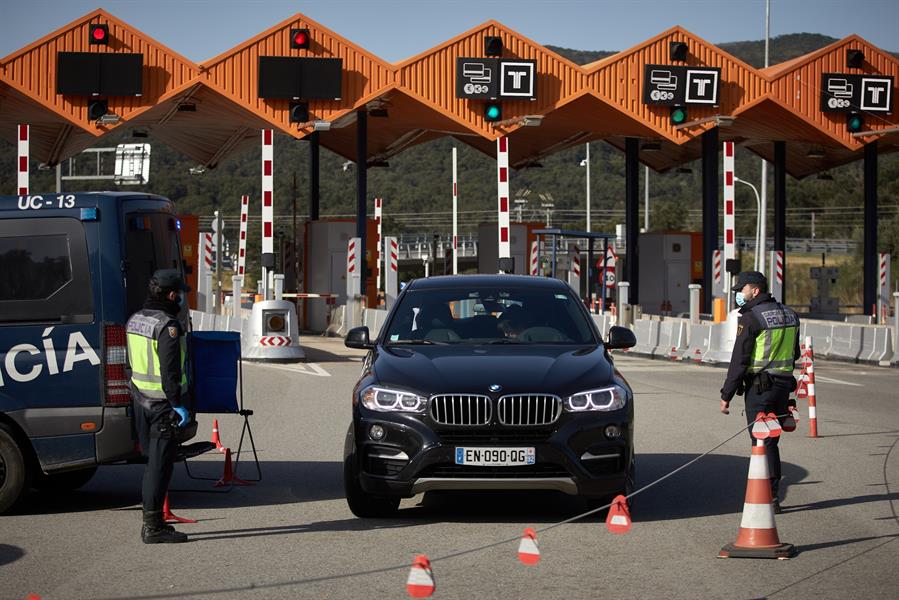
(216, 372)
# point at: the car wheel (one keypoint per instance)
(60, 482)
(14, 473)
(361, 503)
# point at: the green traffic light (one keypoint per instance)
(493, 112)
(678, 115)
(854, 123)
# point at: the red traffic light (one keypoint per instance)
(299, 38)
(99, 34)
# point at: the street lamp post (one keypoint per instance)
(758, 221)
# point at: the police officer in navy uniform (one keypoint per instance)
(156, 359)
(761, 365)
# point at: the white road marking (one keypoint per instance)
(302, 368)
(837, 381)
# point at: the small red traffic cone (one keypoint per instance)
(228, 477)
(215, 436)
(528, 552)
(619, 518)
(169, 517)
(420, 583)
(758, 532)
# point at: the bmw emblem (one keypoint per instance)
(495, 387)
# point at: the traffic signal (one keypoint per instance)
(854, 122)
(98, 34)
(493, 46)
(677, 51)
(855, 59)
(678, 115)
(299, 112)
(493, 111)
(96, 109)
(299, 39)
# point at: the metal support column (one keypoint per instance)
(314, 191)
(710, 181)
(362, 188)
(871, 274)
(780, 210)
(632, 214)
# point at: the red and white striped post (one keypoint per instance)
(502, 176)
(204, 277)
(391, 272)
(535, 262)
(378, 252)
(812, 400)
(22, 162)
(776, 274)
(242, 243)
(268, 211)
(729, 234)
(883, 297)
(353, 281)
(574, 272)
(718, 290)
(455, 215)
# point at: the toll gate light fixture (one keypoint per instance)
(198, 170)
(493, 112)
(677, 51)
(109, 119)
(98, 34)
(96, 109)
(299, 112)
(651, 146)
(854, 122)
(678, 115)
(493, 46)
(299, 39)
(531, 120)
(724, 120)
(815, 153)
(346, 166)
(855, 59)
(321, 125)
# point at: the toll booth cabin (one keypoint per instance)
(669, 263)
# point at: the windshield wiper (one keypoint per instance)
(505, 341)
(414, 342)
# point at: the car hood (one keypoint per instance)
(428, 370)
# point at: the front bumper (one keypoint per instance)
(573, 456)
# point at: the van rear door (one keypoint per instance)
(151, 243)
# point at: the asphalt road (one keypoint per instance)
(292, 535)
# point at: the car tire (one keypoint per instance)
(361, 503)
(61, 482)
(14, 473)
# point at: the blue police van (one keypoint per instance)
(73, 268)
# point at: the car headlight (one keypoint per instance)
(387, 400)
(607, 398)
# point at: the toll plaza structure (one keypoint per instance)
(671, 99)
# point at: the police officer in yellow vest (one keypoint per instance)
(156, 357)
(761, 365)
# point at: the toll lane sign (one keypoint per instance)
(669, 85)
(841, 92)
(517, 79)
(493, 78)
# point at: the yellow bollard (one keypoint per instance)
(258, 298)
(718, 312)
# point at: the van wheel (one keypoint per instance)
(14, 474)
(361, 503)
(66, 481)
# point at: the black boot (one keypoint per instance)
(155, 531)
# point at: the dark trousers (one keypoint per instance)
(154, 431)
(773, 400)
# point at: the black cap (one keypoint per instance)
(753, 277)
(170, 279)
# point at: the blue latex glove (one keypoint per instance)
(184, 414)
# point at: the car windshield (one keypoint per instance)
(513, 315)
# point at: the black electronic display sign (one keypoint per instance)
(669, 85)
(852, 93)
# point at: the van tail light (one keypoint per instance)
(115, 379)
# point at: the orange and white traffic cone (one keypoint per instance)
(618, 520)
(228, 477)
(420, 583)
(528, 552)
(169, 517)
(215, 436)
(812, 400)
(758, 532)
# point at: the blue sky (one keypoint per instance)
(398, 29)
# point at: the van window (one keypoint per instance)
(151, 243)
(44, 273)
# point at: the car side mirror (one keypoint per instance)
(619, 338)
(358, 338)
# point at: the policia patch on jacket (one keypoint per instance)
(739, 330)
(173, 332)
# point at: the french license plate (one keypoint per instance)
(495, 457)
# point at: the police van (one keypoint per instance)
(73, 268)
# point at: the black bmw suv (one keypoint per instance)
(487, 382)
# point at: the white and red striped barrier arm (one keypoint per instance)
(22, 162)
(354, 268)
(718, 287)
(502, 177)
(242, 243)
(268, 211)
(729, 233)
(534, 258)
(378, 245)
